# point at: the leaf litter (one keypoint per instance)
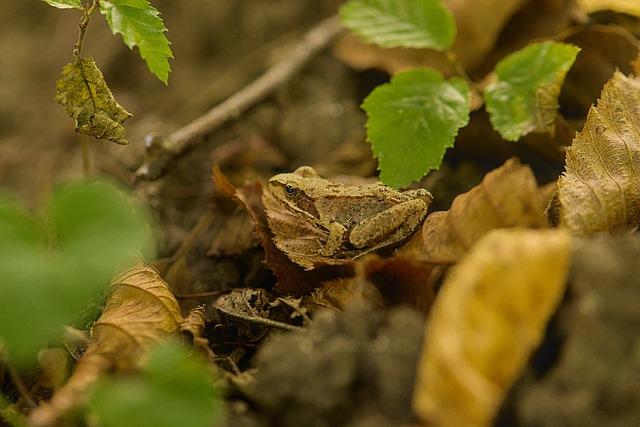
(362, 364)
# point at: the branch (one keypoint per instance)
(162, 151)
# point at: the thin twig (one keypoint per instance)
(86, 155)
(209, 294)
(16, 379)
(163, 151)
(84, 22)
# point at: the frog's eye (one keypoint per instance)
(290, 190)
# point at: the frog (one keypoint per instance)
(364, 217)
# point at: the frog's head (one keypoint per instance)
(290, 188)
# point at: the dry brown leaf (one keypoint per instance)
(338, 294)
(600, 188)
(140, 311)
(403, 281)
(506, 197)
(489, 316)
(478, 21)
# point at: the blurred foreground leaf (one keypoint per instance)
(490, 315)
(524, 98)
(140, 312)
(600, 188)
(82, 91)
(173, 390)
(140, 25)
(412, 121)
(65, 4)
(403, 23)
(94, 231)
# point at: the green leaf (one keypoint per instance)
(173, 390)
(65, 4)
(140, 25)
(82, 91)
(48, 279)
(412, 121)
(401, 23)
(524, 98)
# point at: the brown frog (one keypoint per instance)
(362, 217)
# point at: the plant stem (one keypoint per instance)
(20, 386)
(86, 155)
(457, 66)
(84, 22)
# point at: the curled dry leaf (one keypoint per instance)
(478, 21)
(140, 311)
(83, 92)
(600, 188)
(506, 197)
(341, 293)
(257, 306)
(489, 316)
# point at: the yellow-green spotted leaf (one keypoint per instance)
(82, 91)
(401, 23)
(412, 121)
(65, 4)
(140, 25)
(524, 98)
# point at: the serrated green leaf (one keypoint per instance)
(140, 25)
(173, 390)
(401, 23)
(524, 98)
(48, 279)
(82, 91)
(412, 121)
(65, 4)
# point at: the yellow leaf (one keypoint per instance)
(489, 316)
(83, 92)
(506, 197)
(600, 188)
(632, 7)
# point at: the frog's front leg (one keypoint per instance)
(393, 224)
(337, 233)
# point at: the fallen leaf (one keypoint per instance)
(140, 312)
(256, 306)
(631, 7)
(83, 92)
(403, 281)
(489, 316)
(339, 294)
(506, 197)
(600, 188)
